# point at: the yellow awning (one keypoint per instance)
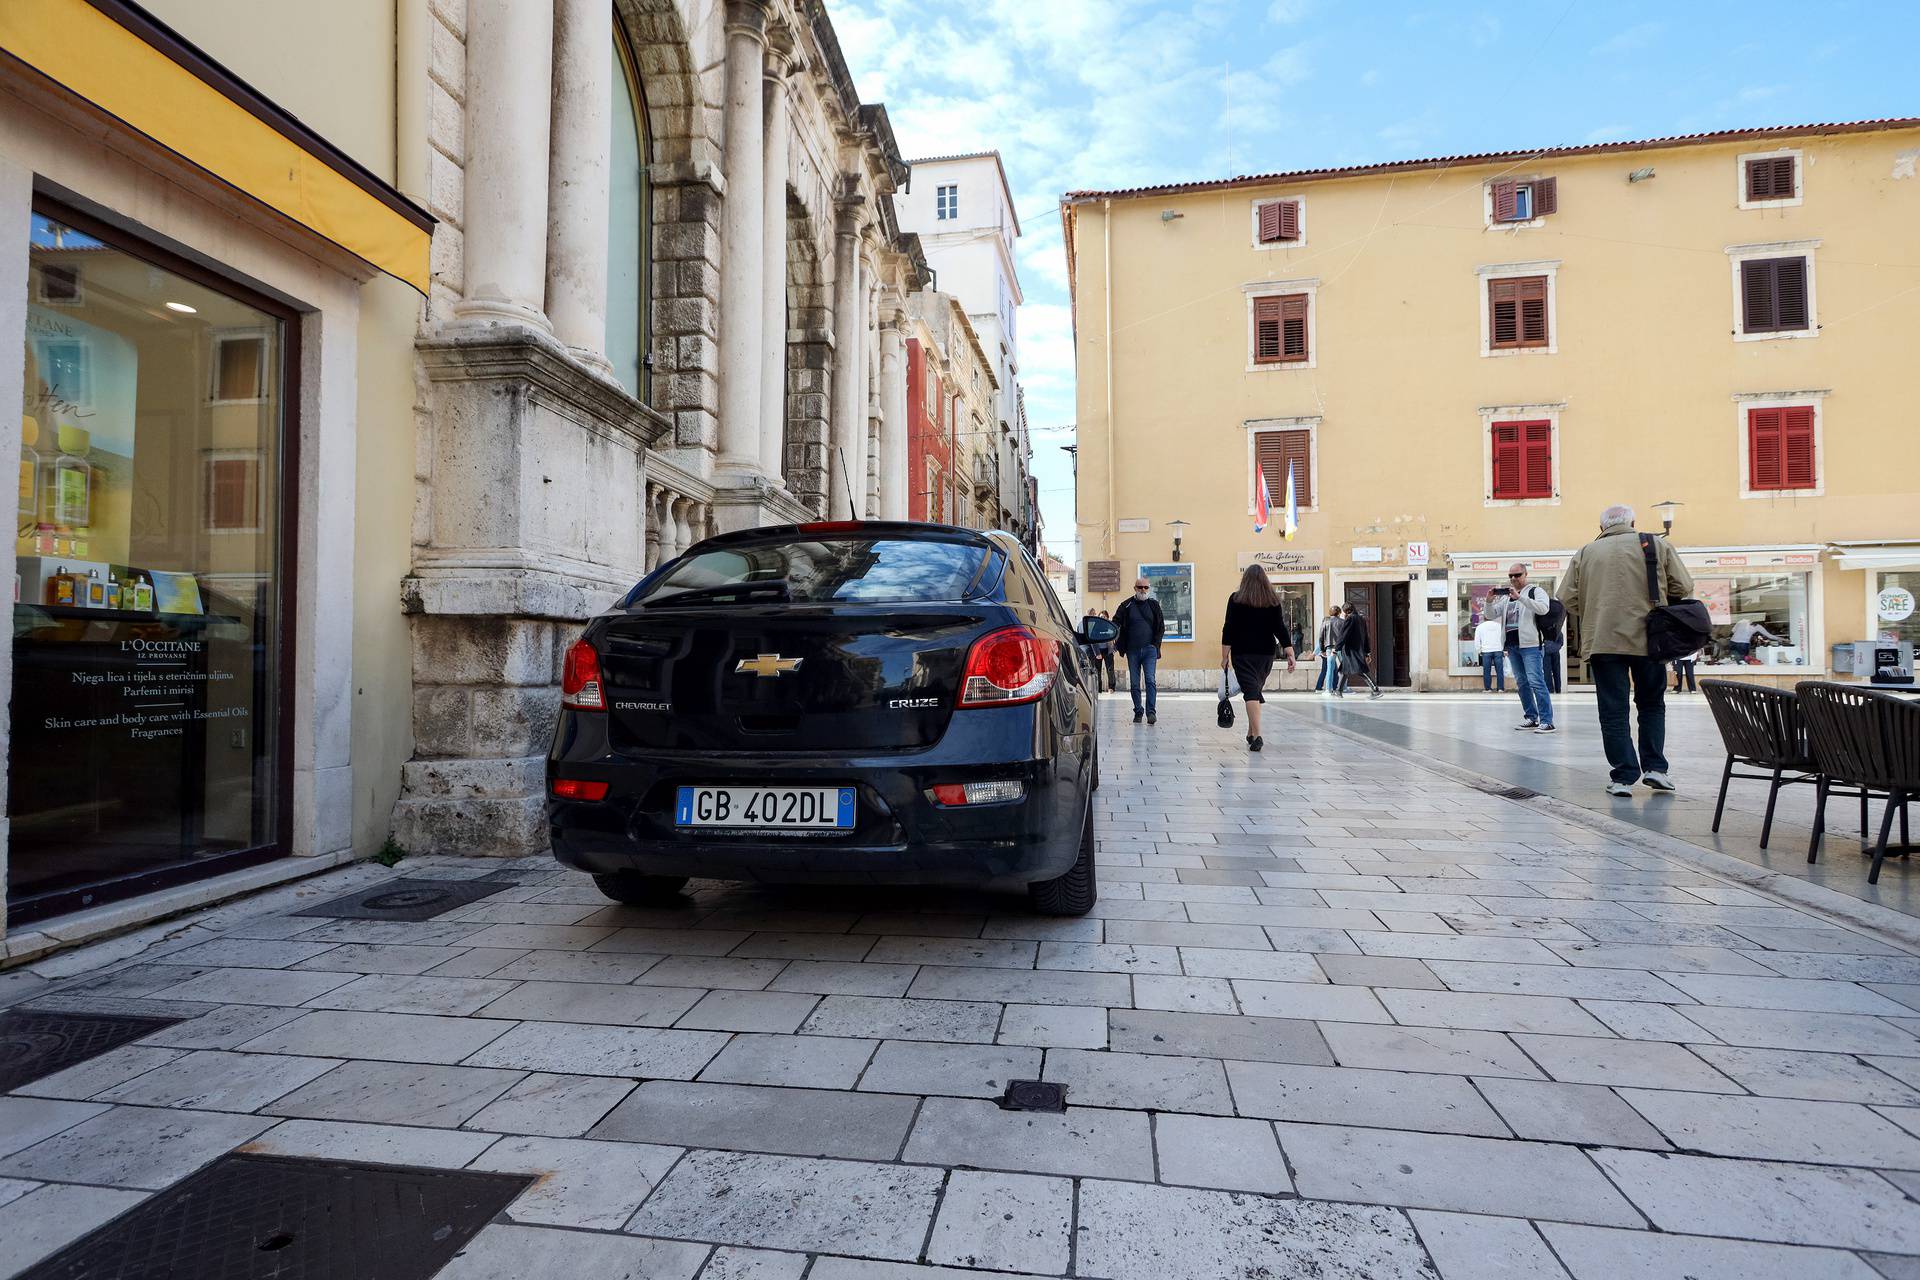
(220, 125)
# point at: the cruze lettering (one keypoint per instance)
(909, 704)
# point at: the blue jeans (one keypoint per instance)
(1143, 662)
(1329, 677)
(1611, 673)
(1492, 669)
(1530, 675)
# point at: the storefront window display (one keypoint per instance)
(1759, 619)
(1303, 617)
(1173, 588)
(1473, 588)
(1894, 611)
(147, 618)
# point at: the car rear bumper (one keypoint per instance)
(900, 835)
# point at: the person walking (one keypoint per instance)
(1605, 594)
(1142, 627)
(1106, 657)
(1551, 647)
(1327, 646)
(1490, 640)
(1518, 607)
(1254, 630)
(1356, 647)
(1683, 673)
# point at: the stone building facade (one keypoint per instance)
(668, 297)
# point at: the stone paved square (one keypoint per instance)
(1334, 1011)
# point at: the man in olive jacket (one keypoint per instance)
(1605, 594)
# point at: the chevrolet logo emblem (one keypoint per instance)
(766, 664)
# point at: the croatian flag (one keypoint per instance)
(1292, 525)
(1262, 500)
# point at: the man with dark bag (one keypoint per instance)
(1615, 592)
(1142, 628)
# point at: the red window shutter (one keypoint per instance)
(1504, 201)
(1267, 346)
(1796, 441)
(1757, 309)
(1270, 222)
(1546, 196)
(1289, 216)
(1503, 308)
(1293, 327)
(1790, 292)
(1764, 451)
(1536, 475)
(1507, 466)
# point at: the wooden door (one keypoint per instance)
(1401, 671)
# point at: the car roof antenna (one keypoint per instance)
(853, 508)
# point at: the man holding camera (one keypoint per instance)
(1518, 608)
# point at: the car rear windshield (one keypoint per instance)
(802, 570)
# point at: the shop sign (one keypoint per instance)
(1367, 555)
(1748, 559)
(1550, 565)
(1285, 560)
(1103, 576)
(1895, 604)
(1134, 524)
(1417, 553)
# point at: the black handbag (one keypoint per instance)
(1223, 715)
(1673, 630)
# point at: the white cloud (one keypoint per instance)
(1286, 12)
(1638, 36)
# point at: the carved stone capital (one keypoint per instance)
(747, 18)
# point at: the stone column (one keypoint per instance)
(577, 189)
(509, 132)
(869, 383)
(846, 458)
(773, 333)
(893, 419)
(742, 243)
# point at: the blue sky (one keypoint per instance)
(1116, 93)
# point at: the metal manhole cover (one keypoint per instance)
(39, 1042)
(250, 1217)
(1033, 1095)
(405, 899)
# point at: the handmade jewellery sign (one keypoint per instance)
(1284, 560)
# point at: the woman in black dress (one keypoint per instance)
(1254, 631)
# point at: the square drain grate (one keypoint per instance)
(250, 1217)
(39, 1042)
(1033, 1095)
(405, 899)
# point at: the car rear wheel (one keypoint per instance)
(637, 890)
(1072, 894)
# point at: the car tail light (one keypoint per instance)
(949, 794)
(1008, 666)
(580, 679)
(578, 789)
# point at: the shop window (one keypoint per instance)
(628, 224)
(1759, 619)
(1280, 328)
(148, 685)
(1279, 454)
(1470, 595)
(1780, 448)
(1894, 612)
(1774, 296)
(1517, 313)
(1523, 201)
(1277, 222)
(1522, 462)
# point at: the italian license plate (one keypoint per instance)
(776, 808)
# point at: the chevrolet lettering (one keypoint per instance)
(843, 702)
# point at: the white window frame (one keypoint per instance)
(1519, 224)
(1279, 289)
(1257, 426)
(1490, 414)
(1485, 275)
(208, 458)
(220, 338)
(942, 210)
(1743, 401)
(1253, 223)
(1799, 178)
(1739, 253)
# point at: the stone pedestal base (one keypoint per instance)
(755, 503)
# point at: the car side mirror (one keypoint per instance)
(1098, 631)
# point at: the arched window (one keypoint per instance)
(627, 227)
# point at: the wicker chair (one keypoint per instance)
(1762, 729)
(1868, 744)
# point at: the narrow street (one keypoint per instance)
(1335, 1014)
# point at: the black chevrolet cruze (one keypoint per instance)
(858, 702)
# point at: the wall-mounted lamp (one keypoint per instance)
(1666, 510)
(1168, 215)
(1179, 528)
(1640, 175)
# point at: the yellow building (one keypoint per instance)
(1462, 361)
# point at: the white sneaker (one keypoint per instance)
(1525, 725)
(1546, 728)
(1619, 789)
(1658, 781)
